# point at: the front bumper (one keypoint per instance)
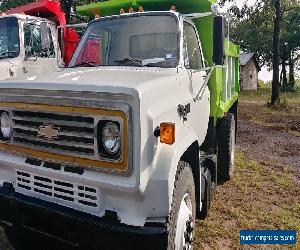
(31, 223)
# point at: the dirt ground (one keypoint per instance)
(273, 136)
(265, 191)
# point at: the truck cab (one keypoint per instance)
(34, 39)
(28, 46)
(136, 40)
(112, 147)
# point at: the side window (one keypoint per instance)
(38, 41)
(192, 53)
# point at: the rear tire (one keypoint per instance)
(226, 148)
(182, 217)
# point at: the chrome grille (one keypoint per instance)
(76, 132)
(57, 189)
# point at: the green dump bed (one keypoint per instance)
(224, 82)
(112, 7)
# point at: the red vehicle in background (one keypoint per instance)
(35, 39)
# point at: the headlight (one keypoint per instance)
(6, 126)
(109, 140)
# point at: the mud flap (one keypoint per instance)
(206, 193)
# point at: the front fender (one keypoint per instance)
(161, 184)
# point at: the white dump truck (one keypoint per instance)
(125, 147)
(34, 40)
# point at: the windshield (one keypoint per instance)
(142, 40)
(9, 37)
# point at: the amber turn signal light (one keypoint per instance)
(131, 10)
(167, 133)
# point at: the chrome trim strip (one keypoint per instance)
(57, 142)
(57, 122)
(65, 133)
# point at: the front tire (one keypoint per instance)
(183, 210)
(226, 148)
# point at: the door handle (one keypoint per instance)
(25, 69)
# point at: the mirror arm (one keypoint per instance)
(202, 89)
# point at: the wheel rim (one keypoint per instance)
(185, 225)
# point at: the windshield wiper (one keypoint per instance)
(165, 64)
(136, 62)
(86, 64)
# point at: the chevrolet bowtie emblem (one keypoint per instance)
(48, 132)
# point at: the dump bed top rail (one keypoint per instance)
(113, 7)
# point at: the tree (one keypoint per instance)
(276, 53)
(271, 29)
(67, 7)
(252, 30)
(291, 42)
(8, 4)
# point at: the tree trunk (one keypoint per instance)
(284, 74)
(67, 5)
(292, 73)
(276, 54)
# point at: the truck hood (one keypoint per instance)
(100, 79)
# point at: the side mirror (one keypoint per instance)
(219, 37)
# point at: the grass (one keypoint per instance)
(285, 116)
(264, 95)
(258, 197)
(262, 194)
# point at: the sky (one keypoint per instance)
(240, 3)
(264, 74)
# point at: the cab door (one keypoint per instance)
(198, 89)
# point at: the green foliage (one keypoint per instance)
(253, 28)
(261, 84)
(291, 29)
(8, 4)
(254, 32)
